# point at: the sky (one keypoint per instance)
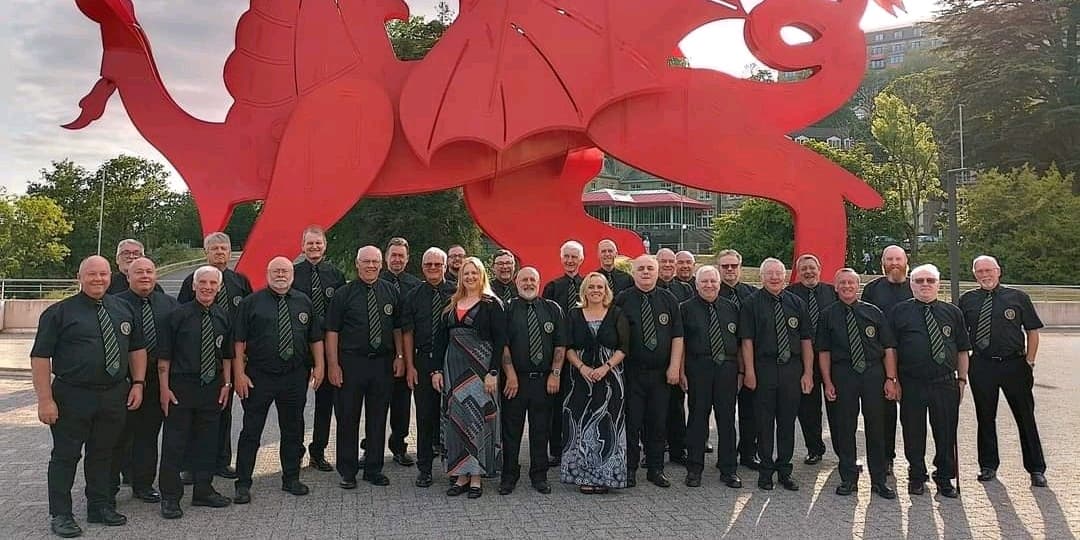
(54, 54)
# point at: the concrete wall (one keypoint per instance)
(1057, 314)
(2, 315)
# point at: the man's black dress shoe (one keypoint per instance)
(883, 491)
(916, 488)
(347, 483)
(658, 479)
(765, 483)
(693, 479)
(171, 510)
(212, 500)
(789, 483)
(376, 479)
(65, 526)
(105, 515)
(731, 480)
(1038, 479)
(847, 488)
(812, 459)
(149, 495)
(948, 490)
(753, 463)
(423, 480)
(679, 459)
(986, 474)
(542, 486)
(242, 496)
(404, 459)
(320, 463)
(226, 472)
(708, 448)
(295, 487)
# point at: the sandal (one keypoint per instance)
(475, 492)
(587, 490)
(600, 490)
(455, 490)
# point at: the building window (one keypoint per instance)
(898, 47)
(877, 49)
(919, 32)
(849, 143)
(896, 59)
(877, 64)
(802, 139)
(879, 37)
(833, 141)
(917, 44)
(899, 34)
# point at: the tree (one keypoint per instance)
(30, 231)
(912, 167)
(760, 228)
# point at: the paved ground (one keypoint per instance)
(1007, 508)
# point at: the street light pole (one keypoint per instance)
(954, 232)
(101, 212)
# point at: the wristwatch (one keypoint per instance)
(493, 372)
(228, 384)
(891, 379)
(556, 372)
(143, 383)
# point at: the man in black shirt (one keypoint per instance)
(397, 258)
(618, 280)
(777, 356)
(318, 279)
(653, 364)
(137, 452)
(421, 312)
(363, 355)
(91, 342)
(532, 364)
(712, 374)
(126, 252)
(195, 382)
(729, 262)
(565, 291)
(504, 264)
(932, 353)
(885, 292)
(234, 287)
(684, 268)
(1004, 330)
(279, 346)
(455, 257)
(676, 420)
(817, 296)
(857, 358)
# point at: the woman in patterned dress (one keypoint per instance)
(594, 417)
(470, 343)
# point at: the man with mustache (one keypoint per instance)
(564, 290)
(127, 251)
(455, 257)
(504, 264)
(684, 268)
(397, 258)
(729, 262)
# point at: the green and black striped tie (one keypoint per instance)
(648, 325)
(318, 297)
(436, 309)
(536, 344)
(982, 332)
(149, 325)
(222, 298)
(572, 293)
(937, 342)
(855, 344)
(374, 321)
(108, 338)
(812, 307)
(783, 341)
(284, 321)
(716, 336)
(208, 356)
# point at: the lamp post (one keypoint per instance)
(101, 211)
(954, 177)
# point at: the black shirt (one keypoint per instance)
(913, 355)
(330, 280)
(1011, 314)
(691, 282)
(162, 305)
(885, 294)
(695, 315)
(825, 295)
(505, 291)
(560, 290)
(667, 320)
(832, 332)
(613, 333)
(181, 342)
(69, 332)
(119, 283)
(257, 326)
(236, 287)
(552, 332)
(682, 291)
(416, 317)
(757, 322)
(487, 318)
(618, 280)
(737, 294)
(403, 281)
(348, 315)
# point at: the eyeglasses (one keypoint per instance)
(729, 266)
(434, 264)
(131, 253)
(925, 280)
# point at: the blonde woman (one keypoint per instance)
(594, 415)
(469, 343)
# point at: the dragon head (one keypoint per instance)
(891, 6)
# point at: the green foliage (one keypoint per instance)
(759, 229)
(31, 228)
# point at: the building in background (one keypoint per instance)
(887, 47)
(665, 218)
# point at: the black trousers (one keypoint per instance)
(855, 391)
(748, 443)
(676, 422)
(776, 404)
(191, 436)
(889, 415)
(400, 415)
(88, 417)
(532, 400)
(428, 410)
(712, 389)
(810, 416)
(649, 395)
(325, 396)
(224, 446)
(366, 388)
(555, 431)
(136, 454)
(1012, 376)
(941, 398)
(288, 393)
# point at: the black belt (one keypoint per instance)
(534, 374)
(1002, 358)
(91, 386)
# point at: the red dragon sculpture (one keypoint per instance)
(511, 104)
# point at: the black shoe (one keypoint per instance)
(554, 461)
(187, 478)
(171, 510)
(631, 479)
(693, 479)
(226, 472)
(347, 483)
(753, 463)
(948, 490)
(506, 488)
(319, 462)
(404, 459)
(847, 488)
(295, 487)
(789, 483)
(148, 495)
(213, 500)
(883, 491)
(456, 489)
(423, 480)
(1038, 479)
(859, 466)
(65, 526)
(812, 459)
(986, 474)
(475, 492)
(679, 459)
(376, 479)
(916, 488)
(765, 483)
(106, 515)
(542, 486)
(731, 480)
(708, 448)
(658, 478)
(242, 496)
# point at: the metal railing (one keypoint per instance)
(55, 289)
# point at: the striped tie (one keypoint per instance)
(208, 365)
(783, 341)
(812, 306)
(108, 338)
(937, 342)
(855, 344)
(982, 332)
(436, 309)
(318, 296)
(222, 298)
(508, 293)
(716, 336)
(648, 325)
(734, 297)
(536, 344)
(148, 324)
(284, 328)
(374, 321)
(571, 293)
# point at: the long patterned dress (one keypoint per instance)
(594, 415)
(470, 416)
